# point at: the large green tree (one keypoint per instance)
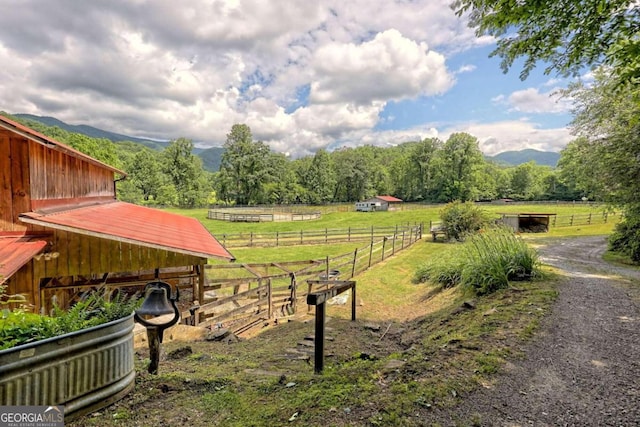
(244, 167)
(609, 123)
(353, 174)
(566, 35)
(460, 161)
(319, 178)
(185, 173)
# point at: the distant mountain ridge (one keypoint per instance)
(211, 157)
(515, 158)
(94, 132)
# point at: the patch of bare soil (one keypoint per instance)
(583, 366)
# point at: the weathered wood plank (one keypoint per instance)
(6, 204)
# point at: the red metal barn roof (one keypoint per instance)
(135, 224)
(16, 251)
(52, 143)
(390, 199)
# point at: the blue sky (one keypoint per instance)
(303, 75)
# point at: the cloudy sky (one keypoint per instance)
(302, 74)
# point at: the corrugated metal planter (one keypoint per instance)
(83, 370)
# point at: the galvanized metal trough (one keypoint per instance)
(84, 370)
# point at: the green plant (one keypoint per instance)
(18, 326)
(461, 219)
(485, 263)
(625, 239)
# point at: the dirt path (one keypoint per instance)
(583, 368)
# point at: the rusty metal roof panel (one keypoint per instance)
(135, 224)
(16, 251)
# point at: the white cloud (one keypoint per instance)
(531, 100)
(389, 67)
(510, 135)
(467, 68)
(303, 75)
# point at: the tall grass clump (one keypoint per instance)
(485, 262)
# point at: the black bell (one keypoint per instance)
(156, 302)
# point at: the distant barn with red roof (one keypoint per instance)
(63, 233)
(377, 203)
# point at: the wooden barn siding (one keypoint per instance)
(81, 255)
(56, 175)
(14, 188)
(84, 255)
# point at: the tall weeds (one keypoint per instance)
(485, 263)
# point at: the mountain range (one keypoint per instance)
(514, 158)
(211, 156)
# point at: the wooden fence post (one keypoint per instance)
(251, 239)
(277, 238)
(270, 298)
(301, 236)
(393, 244)
(326, 235)
(589, 220)
(355, 259)
(370, 252)
(402, 246)
(384, 242)
(294, 291)
(349, 235)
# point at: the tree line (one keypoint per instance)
(430, 171)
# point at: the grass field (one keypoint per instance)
(344, 220)
(368, 219)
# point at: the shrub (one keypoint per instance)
(625, 238)
(485, 263)
(461, 219)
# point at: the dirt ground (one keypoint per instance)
(583, 367)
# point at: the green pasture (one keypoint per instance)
(416, 214)
(344, 220)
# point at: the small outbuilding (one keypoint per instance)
(378, 203)
(527, 222)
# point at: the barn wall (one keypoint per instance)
(87, 256)
(82, 255)
(14, 181)
(58, 178)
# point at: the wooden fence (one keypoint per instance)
(311, 237)
(242, 295)
(581, 219)
(248, 216)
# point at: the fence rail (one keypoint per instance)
(241, 295)
(311, 237)
(581, 219)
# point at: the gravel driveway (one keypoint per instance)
(583, 367)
